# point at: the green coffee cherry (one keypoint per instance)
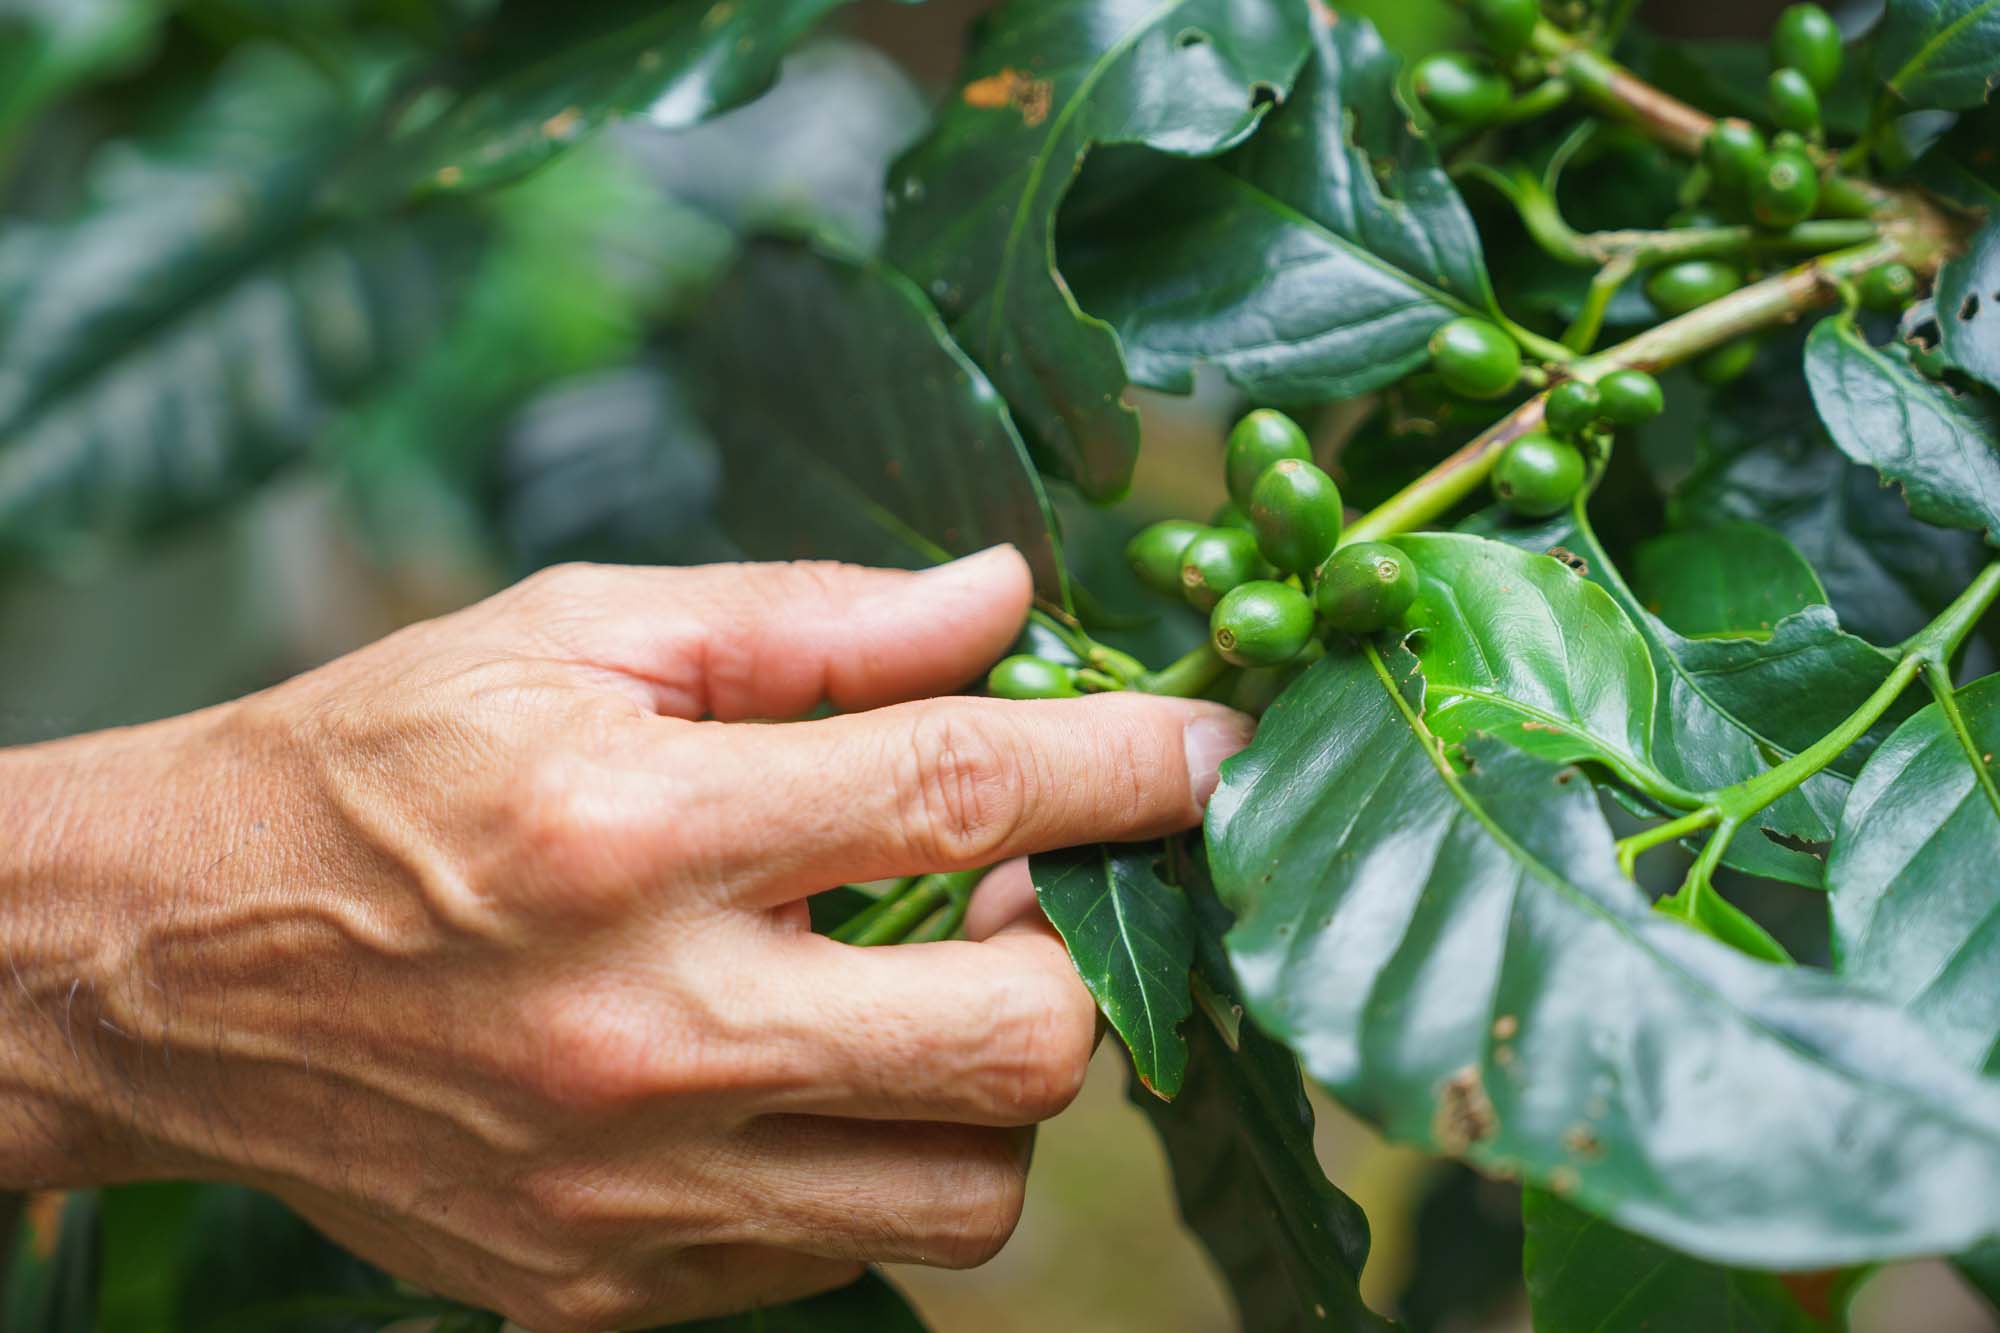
(1720, 365)
(1229, 514)
(1217, 560)
(1628, 397)
(1794, 104)
(1459, 90)
(1787, 192)
(1295, 512)
(1024, 676)
(1888, 288)
(1805, 39)
(1365, 587)
(1505, 25)
(1260, 624)
(1155, 553)
(1734, 151)
(1788, 141)
(1679, 288)
(1256, 442)
(1537, 475)
(1571, 406)
(1475, 358)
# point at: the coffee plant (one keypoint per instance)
(1606, 554)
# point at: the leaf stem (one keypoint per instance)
(1607, 85)
(913, 906)
(1630, 849)
(1185, 677)
(1938, 678)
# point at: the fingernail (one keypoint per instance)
(970, 568)
(1210, 740)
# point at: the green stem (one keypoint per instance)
(1630, 849)
(1611, 88)
(1938, 677)
(874, 912)
(912, 908)
(1582, 333)
(1185, 677)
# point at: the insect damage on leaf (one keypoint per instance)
(1465, 1113)
(1011, 87)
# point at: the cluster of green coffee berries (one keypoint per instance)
(1538, 473)
(1466, 90)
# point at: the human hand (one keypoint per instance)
(490, 956)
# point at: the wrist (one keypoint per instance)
(103, 841)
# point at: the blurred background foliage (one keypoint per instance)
(251, 418)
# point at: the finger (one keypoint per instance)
(945, 784)
(994, 1033)
(1005, 896)
(944, 1195)
(777, 640)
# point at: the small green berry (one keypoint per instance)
(1217, 560)
(1365, 587)
(1787, 192)
(1025, 676)
(1537, 475)
(1806, 39)
(1680, 287)
(1259, 440)
(1261, 624)
(1628, 397)
(1155, 553)
(1571, 406)
(1888, 288)
(1458, 90)
(1794, 104)
(1475, 357)
(1720, 365)
(1734, 151)
(1295, 512)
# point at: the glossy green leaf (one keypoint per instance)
(1239, 1139)
(1586, 1276)
(1968, 303)
(1710, 734)
(192, 331)
(1915, 902)
(1936, 446)
(1131, 936)
(52, 1278)
(851, 427)
(1736, 580)
(1519, 646)
(973, 205)
(1466, 1271)
(1939, 53)
(871, 1305)
(1980, 1267)
(1445, 941)
(1312, 263)
(1764, 457)
(544, 77)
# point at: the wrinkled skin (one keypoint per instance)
(485, 947)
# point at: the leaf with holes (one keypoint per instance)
(1916, 907)
(1935, 444)
(1444, 939)
(972, 206)
(1968, 306)
(851, 427)
(1131, 936)
(1586, 1276)
(1312, 263)
(1518, 646)
(1939, 53)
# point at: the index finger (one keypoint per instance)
(948, 784)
